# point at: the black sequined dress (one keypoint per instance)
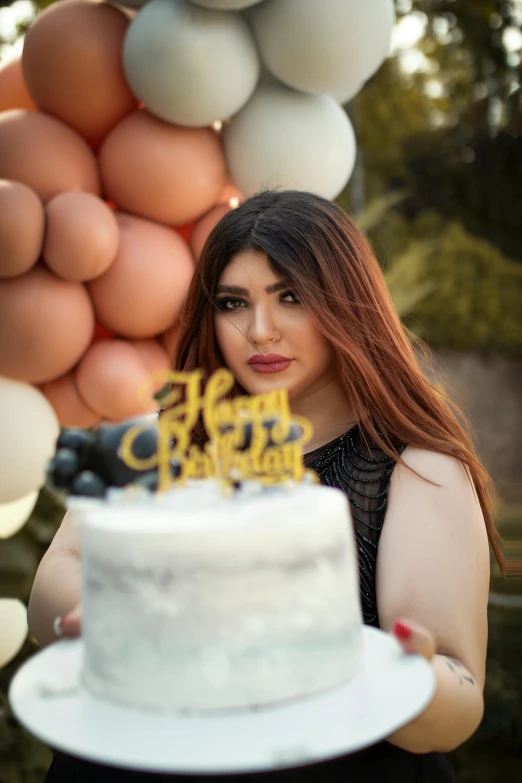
(364, 475)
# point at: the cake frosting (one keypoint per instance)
(194, 601)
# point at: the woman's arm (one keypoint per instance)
(56, 588)
(433, 570)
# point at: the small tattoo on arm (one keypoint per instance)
(459, 669)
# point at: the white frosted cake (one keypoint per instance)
(202, 602)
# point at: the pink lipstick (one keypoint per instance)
(271, 362)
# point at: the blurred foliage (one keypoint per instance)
(475, 178)
(472, 295)
(447, 135)
(476, 303)
(407, 295)
(23, 759)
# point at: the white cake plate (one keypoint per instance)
(391, 689)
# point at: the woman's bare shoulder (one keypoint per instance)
(433, 557)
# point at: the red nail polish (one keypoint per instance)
(402, 631)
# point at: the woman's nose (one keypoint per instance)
(263, 328)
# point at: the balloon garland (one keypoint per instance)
(125, 135)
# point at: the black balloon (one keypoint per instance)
(76, 439)
(105, 458)
(87, 463)
(89, 484)
(66, 465)
(149, 481)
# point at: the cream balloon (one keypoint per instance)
(28, 433)
(225, 5)
(132, 6)
(316, 152)
(14, 515)
(188, 65)
(344, 97)
(13, 622)
(328, 46)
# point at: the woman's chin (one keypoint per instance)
(260, 383)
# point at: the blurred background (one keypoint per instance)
(438, 187)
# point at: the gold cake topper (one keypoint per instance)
(250, 438)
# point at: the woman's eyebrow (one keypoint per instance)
(235, 290)
(275, 287)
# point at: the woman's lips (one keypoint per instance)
(272, 362)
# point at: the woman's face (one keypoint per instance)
(267, 338)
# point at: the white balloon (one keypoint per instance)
(225, 5)
(132, 3)
(344, 97)
(15, 514)
(290, 140)
(129, 7)
(330, 46)
(13, 622)
(28, 433)
(188, 65)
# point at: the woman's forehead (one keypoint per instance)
(248, 268)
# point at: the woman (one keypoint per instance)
(288, 294)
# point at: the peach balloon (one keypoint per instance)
(141, 293)
(82, 236)
(155, 359)
(45, 154)
(114, 381)
(46, 324)
(101, 333)
(186, 230)
(68, 405)
(22, 224)
(162, 172)
(231, 195)
(13, 90)
(205, 226)
(73, 67)
(170, 340)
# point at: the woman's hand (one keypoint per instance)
(414, 638)
(70, 625)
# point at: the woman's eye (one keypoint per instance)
(289, 298)
(230, 304)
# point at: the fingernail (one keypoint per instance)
(402, 631)
(57, 626)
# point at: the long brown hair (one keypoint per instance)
(317, 249)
